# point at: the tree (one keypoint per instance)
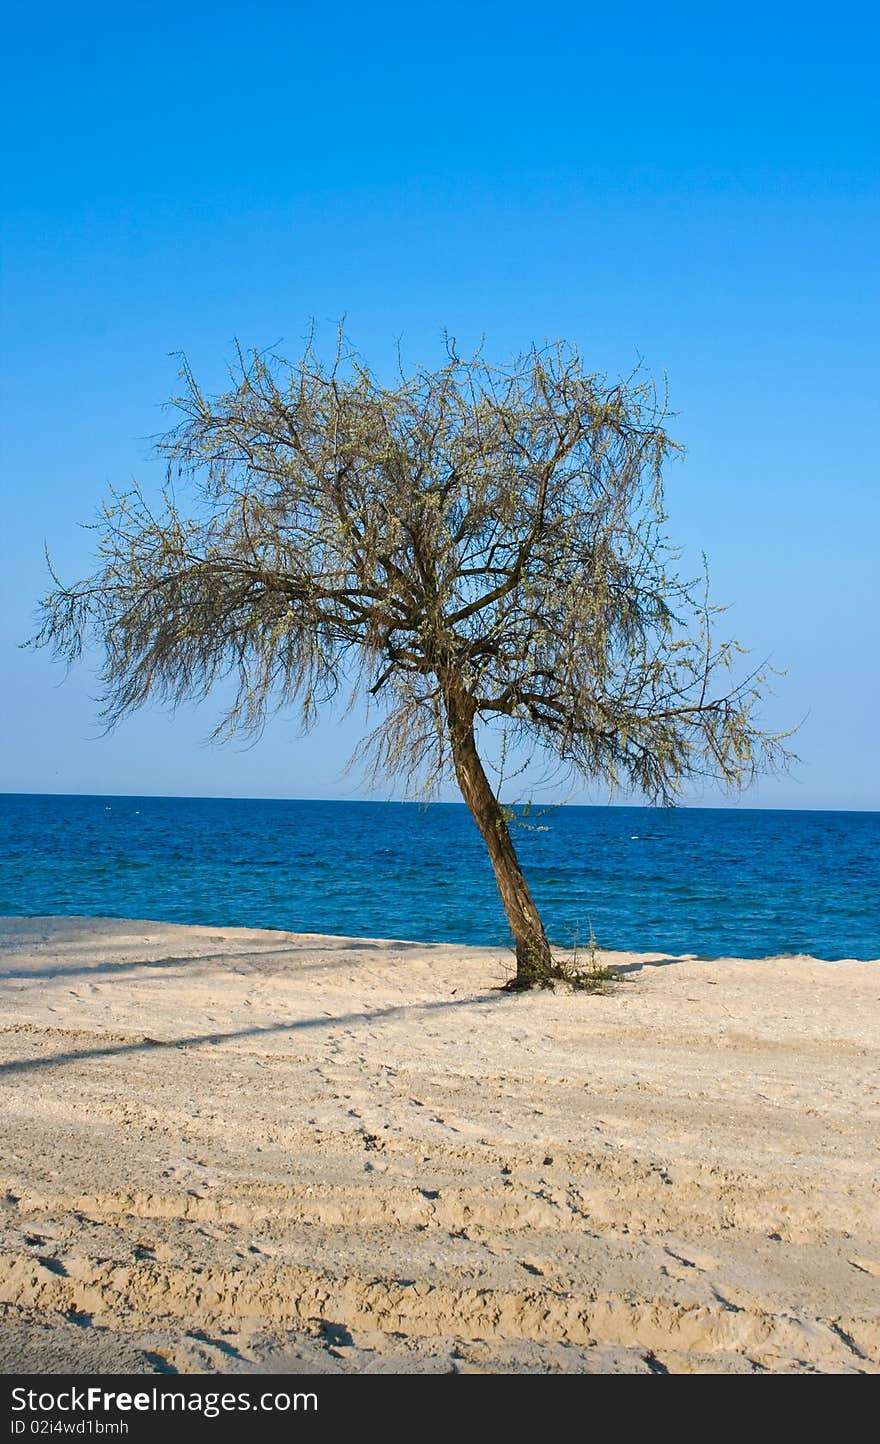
(473, 546)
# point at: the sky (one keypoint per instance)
(692, 187)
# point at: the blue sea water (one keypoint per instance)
(707, 881)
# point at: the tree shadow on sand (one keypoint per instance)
(254, 955)
(146, 1045)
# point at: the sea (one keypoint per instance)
(714, 882)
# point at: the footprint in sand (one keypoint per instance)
(698, 1261)
(866, 1266)
(445, 1123)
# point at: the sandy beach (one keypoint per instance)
(227, 1150)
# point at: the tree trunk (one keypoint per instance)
(533, 959)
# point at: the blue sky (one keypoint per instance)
(693, 185)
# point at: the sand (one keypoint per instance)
(225, 1150)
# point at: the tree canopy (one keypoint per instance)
(467, 544)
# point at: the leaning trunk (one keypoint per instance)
(533, 960)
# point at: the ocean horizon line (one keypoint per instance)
(536, 804)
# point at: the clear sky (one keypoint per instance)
(693, 185)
